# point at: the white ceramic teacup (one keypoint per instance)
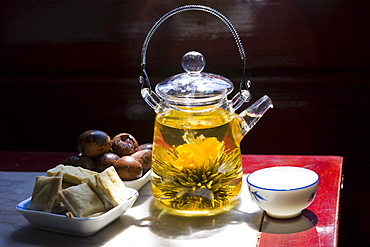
(284, 191)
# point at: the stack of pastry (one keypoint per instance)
(78, 192)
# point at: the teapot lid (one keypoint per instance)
(194, 86)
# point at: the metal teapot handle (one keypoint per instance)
(150, 97)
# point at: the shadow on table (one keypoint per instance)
(182, 227)
(303, 222)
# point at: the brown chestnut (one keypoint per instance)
(93, 143)
(104, 161)
(128, 168)
(78, 160)
(145, 146)
(145, 158)
(124, 144)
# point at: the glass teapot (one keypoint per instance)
(196, 168)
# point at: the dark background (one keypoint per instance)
(69, 66)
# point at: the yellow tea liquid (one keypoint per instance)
(196, 161)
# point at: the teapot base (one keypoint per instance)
(195, 213)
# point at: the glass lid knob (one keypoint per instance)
(193, 62)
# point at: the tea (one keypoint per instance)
(196, 161)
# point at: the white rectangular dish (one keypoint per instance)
(74, 226)
(138, 183)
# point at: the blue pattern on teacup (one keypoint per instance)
(257, 196)
(311, 197)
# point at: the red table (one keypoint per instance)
(323, 212)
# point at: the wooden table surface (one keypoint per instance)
(317, 226)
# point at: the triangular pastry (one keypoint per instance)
(72, 174)
(81, 201)
(44, 193)
(109, 186)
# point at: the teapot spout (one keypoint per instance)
(252, 114)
